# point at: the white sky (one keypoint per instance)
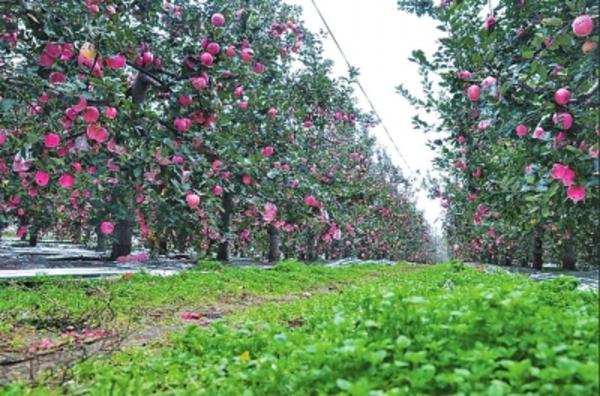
(378, 39)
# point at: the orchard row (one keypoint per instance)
(519, 118)
(212, 126)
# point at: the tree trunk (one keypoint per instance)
(347, 251)
(311, 247)
(162, 246)
(524, 262)
(495, 258)
(569, 259)
(180, 242)
(223, 251)
(487, 257)
(208, 251)
(336, 249)
(33, 235)
(274, 252)
(100, 240)
(123, 236)
(538, 250)
(87, 235)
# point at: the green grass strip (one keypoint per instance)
(442, 330)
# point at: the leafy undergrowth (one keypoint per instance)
(441, 330)
(50, 305)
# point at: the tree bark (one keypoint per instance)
(274, 252)
(162, 246)
(87, 235)
(33, 235)
(569, 259)
(495, 258)
(223, 251)
(347, 251)
(180, 242)
(100, 240)
(311, 247)
(538, 250)
(487, 257)
(208, 251)
(123, 236)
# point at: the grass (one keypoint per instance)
(440, 330)
(50, 304)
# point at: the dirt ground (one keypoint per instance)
(55, 364)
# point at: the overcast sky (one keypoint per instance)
(378, 39)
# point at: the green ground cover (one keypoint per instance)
(53, 304)
(443, 329)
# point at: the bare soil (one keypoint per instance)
(55, 364)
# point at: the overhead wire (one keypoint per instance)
(362, 89)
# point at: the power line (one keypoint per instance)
(362, 89)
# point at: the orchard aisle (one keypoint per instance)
(380, 50)
(54, 323)
(444, 329)
(587, 279)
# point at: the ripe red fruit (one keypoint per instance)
(464, 75)
(522, 130)
(66, 180)
(246, 55)
(562, 96)
(116, 62)
(185, 100)
(206, 59)
(106, 227)
(41, 178)
(583, 25)
(182, 124)
(213, 48)
(57, 78)
(563, 120)
(538, 133)
(200, 82)
(80, 106)
(91, 114)
(192, 200)
(489, 22)
(148, 57)
(110, 113)
(272, 113)
(474, 92)
(217, 20)
(51, 140)
(259, 68)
